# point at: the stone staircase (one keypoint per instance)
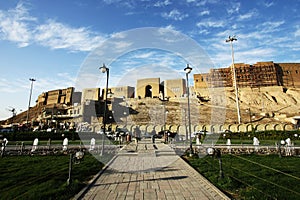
(145, 148)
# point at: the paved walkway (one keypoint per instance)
(147, 171)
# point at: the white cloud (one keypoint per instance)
(118, 35)
(203, 32)
(268, 4)
(169, 35)
(251, 47)
(68, 78)
(234, 8)
(223, 34)
(297, 32)
(273, 24)
(256, 53)
(201, 2)
(162, 3)
(254, 36)
(211, 23)
(248, 15)
(172, 34)
(166, 29)
(175, 15)
(7, 87)
(204, 12)
(18, 26)
(14, 25)
(129, 4)
(287, 44)
(59, 36)
(250, 55)
(268, 26)
(120, 46)
(145, 55)
(220, 45)
(191, 1)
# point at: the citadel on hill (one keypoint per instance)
(257, 75)
(125, 104)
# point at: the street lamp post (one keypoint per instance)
(188, 70)
(27, 117)
(186, 131)
(231, 39)
(125, 115)
(217, 153)
(166, 118)
(76, 159)
(250, 118)
(104, 69)
(126, 112)
(165, 112)
(250, 115)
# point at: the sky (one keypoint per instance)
(63, 43)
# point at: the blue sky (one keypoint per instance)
(59, 42)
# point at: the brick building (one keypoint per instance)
(260, 74)
(289, 74)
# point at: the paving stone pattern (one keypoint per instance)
(146, 171)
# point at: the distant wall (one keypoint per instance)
(183, 130)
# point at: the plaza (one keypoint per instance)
(149, 173)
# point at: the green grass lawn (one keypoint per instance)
(44, 177)
(253, 176)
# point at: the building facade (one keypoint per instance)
(61, 96)
(174, 88)
(90, 94)
(260, 74)
(119, 92)
(149, 87)
(289, 74)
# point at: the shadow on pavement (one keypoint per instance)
(143, 180)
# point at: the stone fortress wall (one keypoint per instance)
(261, 74)
(60, 96)
(181, 129)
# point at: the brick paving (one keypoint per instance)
(145, 172)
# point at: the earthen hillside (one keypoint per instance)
(273, 103)
(257, 105)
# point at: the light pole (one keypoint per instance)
(125, 115)
(250, 118)
(74, 158)
(186, 132)
(27, 117)
(126, 112)
(166, 118)
(188, 70)
(231, 39)
(250, 114)
(104, 69)
(165, 112)
(217, 153)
